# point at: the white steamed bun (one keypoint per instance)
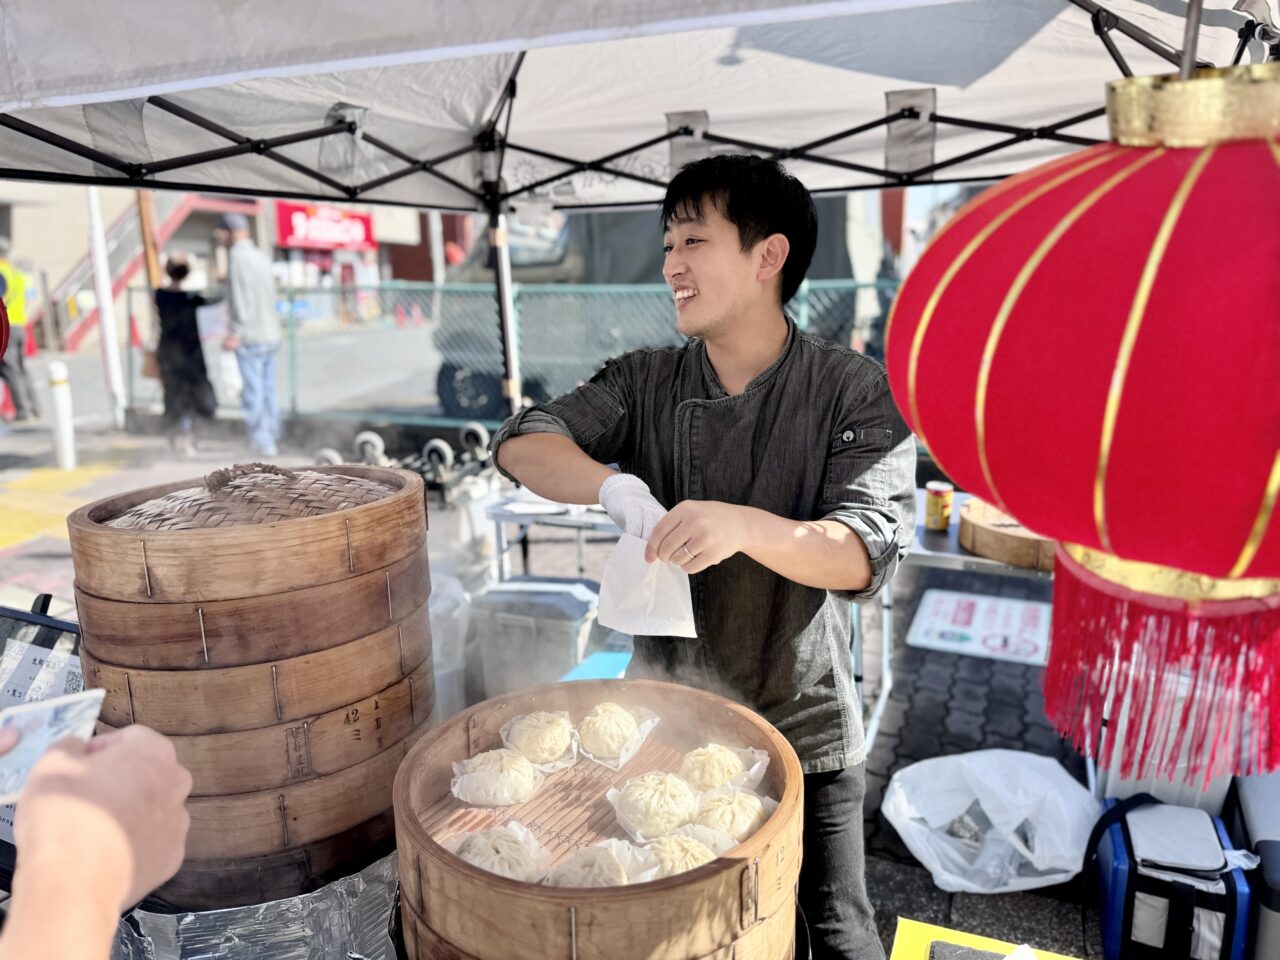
(739, 813)
(605, 730)
(589, 867)
(542, 737)
(499, 777)
(657, 803)
(711, 766)
(676, 854)
(500, 852)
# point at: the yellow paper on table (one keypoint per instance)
(913, 939)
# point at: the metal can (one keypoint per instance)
(937, 505)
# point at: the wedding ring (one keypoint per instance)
(685, 548)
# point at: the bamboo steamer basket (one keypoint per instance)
(232, 633)
(246, 761)
(199, 546)
(191, 702)
(249, 824)
(221, 884)
(275, 625)
(741, 905)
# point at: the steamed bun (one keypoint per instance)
(605, 730)
(711, 766)
(589, 867)
(739, 814)
(657, 803)
(499, 777)
(676, 854)
(500, 852)
(542, 737)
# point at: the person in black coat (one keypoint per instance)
(188, 394)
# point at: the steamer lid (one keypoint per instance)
(250, 494)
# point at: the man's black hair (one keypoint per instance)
(758, 197)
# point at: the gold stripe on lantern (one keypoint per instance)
(1132, 328)
(1260, 523)
(1015, 291)
(956, 265)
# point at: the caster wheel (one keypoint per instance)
(475, 439)
(328, 457)
(370, 448)
(438, 455)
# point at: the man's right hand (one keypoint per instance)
(629, 504)
(109, 811)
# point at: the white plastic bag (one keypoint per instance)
(992, 821)
(644, 599)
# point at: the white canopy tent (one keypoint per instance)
(479, 105)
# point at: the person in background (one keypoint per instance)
(13, 365)
(254, 331)
(99, 825)
(187, 391)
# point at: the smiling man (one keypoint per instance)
(775, 469)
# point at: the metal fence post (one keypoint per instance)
(802, 305)
(293, 356)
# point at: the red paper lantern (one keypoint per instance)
(1094, 347)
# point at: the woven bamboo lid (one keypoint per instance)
(252, 493)
(248, 531)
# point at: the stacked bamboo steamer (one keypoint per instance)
(274, 626)
(740, 906)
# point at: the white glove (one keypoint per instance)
(629, 504)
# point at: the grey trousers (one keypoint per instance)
(833, 887)
(13, 371)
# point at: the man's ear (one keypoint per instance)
(773, 254)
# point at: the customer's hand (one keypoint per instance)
(109, 812)
(629, 504)
(231, 343)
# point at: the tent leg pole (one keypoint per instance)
(491, 178)
(512, 387)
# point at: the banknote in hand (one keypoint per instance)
(40, 725)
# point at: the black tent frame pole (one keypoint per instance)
(416, 166)
(64, 143)
(205, 123)
(1104, 21)
(1037, 133)
(240, 149)
(1135, 33)
(490, 197)
(492, 159)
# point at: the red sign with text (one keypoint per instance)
(316, 226)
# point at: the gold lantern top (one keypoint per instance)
(1214, 106)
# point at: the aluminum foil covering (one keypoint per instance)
(347, 920)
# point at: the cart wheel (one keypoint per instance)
(474, 438)
(370, 448)
(328, 457)
(438, 455)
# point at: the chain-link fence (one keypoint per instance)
(418, 352)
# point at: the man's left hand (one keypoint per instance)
(698, 534)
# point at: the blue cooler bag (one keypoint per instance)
(1167, 889)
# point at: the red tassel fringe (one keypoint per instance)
(1179, 684)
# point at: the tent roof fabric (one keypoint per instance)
(384, 102)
